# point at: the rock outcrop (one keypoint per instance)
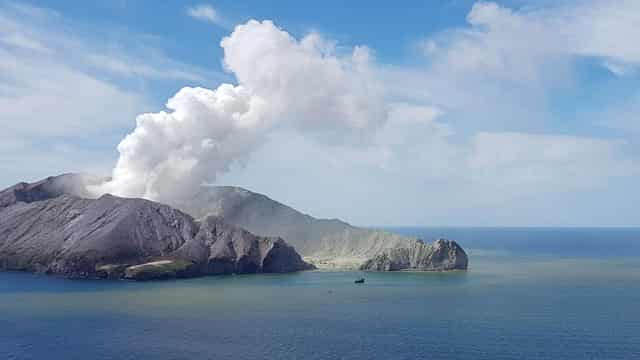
(221, 248)
(71, 236)
(261, 215)
(51, 226)
(43, 229)
(441, 255)
(53, 186)
(329, 243)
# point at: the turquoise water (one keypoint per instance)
(517, 301)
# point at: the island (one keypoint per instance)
(53, 226)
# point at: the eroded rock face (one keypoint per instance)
(261, 215)
(43, 229)
(70, 236)
(441, 255)
(224, 248)
(327, 243)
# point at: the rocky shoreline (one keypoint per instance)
(43, 230)
(52, 227)
(327, 243)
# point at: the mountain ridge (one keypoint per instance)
(326, 243)
(115, 237)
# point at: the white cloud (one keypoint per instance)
(27, 29)
(45, 98)
(32, 161)
(423, 175)
(306, 82)
(206, 13)
(132, 67)
(46, 93)
(468, 137)
(605, 29)
(55, 88)
(283, 83)
(523, 163)
(517, 45)
(25, 42)
(435, 144)
(507, 60)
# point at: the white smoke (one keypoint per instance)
(304, 82)
(282, 82)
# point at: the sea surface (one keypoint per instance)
(530, 293)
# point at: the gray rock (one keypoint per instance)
(44, 230)
(441, 255)
(324, 242)
(53, 186)
(223, 248)
(260, 215)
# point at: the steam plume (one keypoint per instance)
(282, 82)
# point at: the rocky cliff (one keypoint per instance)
(441, 255)
(329, 243)
(44, 229)
(261, 215)
(50, 226)
(221, 248)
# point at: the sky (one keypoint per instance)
(416, 113)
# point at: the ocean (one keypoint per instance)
(529, 293)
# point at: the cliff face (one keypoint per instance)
(312, 237)
(50, 226)
(329, 243)
(441, 255)
(44, 230)
(221, 248)
(69, 235)
(261, 215)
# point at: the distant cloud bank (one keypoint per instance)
(206, 13)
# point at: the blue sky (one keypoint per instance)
(508, 113)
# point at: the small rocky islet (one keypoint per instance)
(53, 227)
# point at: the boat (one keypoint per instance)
(359, 281)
